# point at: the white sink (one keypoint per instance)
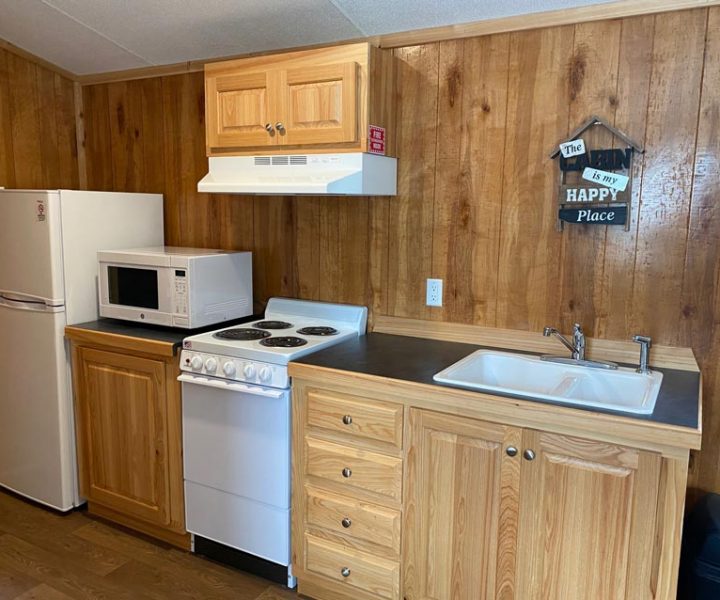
(523, 375)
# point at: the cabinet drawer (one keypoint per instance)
(378, 576)
(353, 518)
(360, 469)
(355, 416)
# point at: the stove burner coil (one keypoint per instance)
(241, 334)
(283, 342)
(273, 325)
(317, 331)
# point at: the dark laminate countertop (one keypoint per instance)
(417, 360)
(156, 333)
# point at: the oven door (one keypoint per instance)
(136, 292)
(236, 454)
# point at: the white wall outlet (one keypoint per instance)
(434, 292)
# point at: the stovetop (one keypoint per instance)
(277, 346)
(289, 329)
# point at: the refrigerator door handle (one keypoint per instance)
(31, 303)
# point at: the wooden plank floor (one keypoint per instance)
(47, 556)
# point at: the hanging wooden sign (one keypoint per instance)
(595, 185)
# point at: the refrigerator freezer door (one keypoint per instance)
(36, 423)
(31, 245)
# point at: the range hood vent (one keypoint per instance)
(354, 174)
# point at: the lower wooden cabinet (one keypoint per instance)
(501, 512)
(461, 508)
(484, 510)
(587, 520)
(128, 418)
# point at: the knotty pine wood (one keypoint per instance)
(461, 508)
(38, 148)
(475, 121)
(586, 519)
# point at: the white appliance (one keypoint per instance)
(48, 264)
(178, 287)
(351, 173)
(236, 426)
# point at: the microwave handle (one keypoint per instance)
(231, 386)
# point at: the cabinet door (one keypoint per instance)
(122, 430)
(587, 514)
(461, 509)
(319, 104)
(238, 110)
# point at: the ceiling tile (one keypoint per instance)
(170, 31)
(38, 28)
(374, 17)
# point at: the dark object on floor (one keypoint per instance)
(700, 561)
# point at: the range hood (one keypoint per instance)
(352, 174)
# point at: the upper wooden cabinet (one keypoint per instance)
(320, 100)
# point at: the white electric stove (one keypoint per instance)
(236, 429)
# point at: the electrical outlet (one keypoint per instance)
(434, 292)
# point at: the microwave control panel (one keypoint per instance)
(180, 299)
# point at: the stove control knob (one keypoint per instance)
(196, 363)
(249, 371)
(210, 365)
(265, 374)
(229, 369)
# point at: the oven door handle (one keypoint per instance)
(231, 386)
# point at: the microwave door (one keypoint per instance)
(133, 287)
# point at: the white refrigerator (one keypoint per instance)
(48, 279)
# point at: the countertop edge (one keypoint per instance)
(120, 341)
(525, 413)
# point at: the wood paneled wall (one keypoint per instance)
(38, 146)
(477, 119)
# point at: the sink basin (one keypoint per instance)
(524, 375)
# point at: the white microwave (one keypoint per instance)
(178, 287)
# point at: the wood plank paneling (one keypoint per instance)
(411, 211)
(614, 309)
(673, 106)
(592, 72)
(476, 120)
(38, 148)
(471, 139)
(529, 270)
(700, 300)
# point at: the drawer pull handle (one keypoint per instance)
(346, 472)
(511, 451)
(345, 572)
(346, 522)
(347, 419)
(529, 454)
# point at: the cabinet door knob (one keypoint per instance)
(346, 522)
(347, 419)
(529, 454)
(346, 472)
(279, 126)
(345, 572)
(511, 451)
(269, 128)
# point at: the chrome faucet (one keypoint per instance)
(577, 346)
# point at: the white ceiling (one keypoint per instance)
(92, 36)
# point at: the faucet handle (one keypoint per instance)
(643, 340)
(645, 343)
